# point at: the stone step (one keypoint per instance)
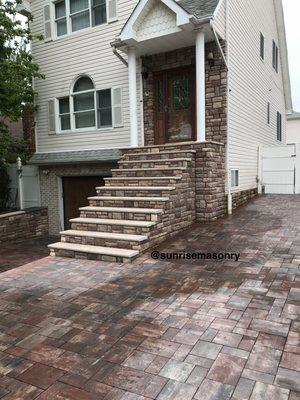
(161, 148)
(152, 163)
(130, 227)
(138, 214)
(106, 239)
(92, 252)
(159, 155)
(148, 172)
(135, 191)
(123, 201)
(143, 181)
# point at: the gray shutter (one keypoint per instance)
(111, 6)
(51, 117)
(117, 108)
(47, 23)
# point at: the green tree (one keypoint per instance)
(17, 67)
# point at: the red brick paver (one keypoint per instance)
(166, 330)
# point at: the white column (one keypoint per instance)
(133, 97)
(200, 85)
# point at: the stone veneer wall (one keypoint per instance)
(50, 192)
(216, 89)
(240, 198)
(21, 225)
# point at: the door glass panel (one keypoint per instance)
(180, 116)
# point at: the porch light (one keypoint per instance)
(211, 58)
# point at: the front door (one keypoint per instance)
(175, 106)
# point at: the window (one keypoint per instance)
(268, 113)
(64, 114)
(262, 46)
(86, 108)
(279, 127)
(84, 103)
(104, 108)
(234, 178)
(75, 15)
(60, 18)
(275, 56)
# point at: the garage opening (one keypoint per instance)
(76, 190)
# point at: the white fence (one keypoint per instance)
(280, 169)
(24, 186)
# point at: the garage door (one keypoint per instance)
(76, 191)
(279, 169)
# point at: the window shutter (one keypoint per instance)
(47, 23)
(117, 110)
(111, 6)
(51, 117)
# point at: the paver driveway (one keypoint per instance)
(84, 330)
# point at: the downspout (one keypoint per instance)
(228, 172)
(117, 54)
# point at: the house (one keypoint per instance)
(160, 104)
(293, 128)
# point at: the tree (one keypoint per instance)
(17, 67)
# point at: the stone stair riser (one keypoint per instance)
(132, 193)
(105, 242)
(157, 156)
(87, 256)
(119, 215)
(129, 203)
(141, 182)
(152, 164)
(130, 230)
(147, 173)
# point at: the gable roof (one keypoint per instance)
(199, 8)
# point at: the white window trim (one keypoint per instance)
(69, 20)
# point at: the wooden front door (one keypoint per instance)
(76, 191)
(175, 117)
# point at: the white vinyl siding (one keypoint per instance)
(63, 61)
(220, 19)
(252, 85)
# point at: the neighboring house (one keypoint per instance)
(23, 128)
(293, 128)
(208, 81)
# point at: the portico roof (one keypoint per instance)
(163, 25)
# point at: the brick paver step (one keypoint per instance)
(137, 188)
(121, 198)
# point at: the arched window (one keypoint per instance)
(84, 100)
(88, 109)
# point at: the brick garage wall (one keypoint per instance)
(216, 89)
(21, 225)
(49, 182)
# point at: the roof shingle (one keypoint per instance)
(199, 8)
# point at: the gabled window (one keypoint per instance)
(279, 127)
(275, 56)
(262, 46)
(75, 15)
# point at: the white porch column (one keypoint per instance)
(200, 85)
(133, 97)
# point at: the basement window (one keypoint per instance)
(235, 178)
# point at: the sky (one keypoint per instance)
(292, 21)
